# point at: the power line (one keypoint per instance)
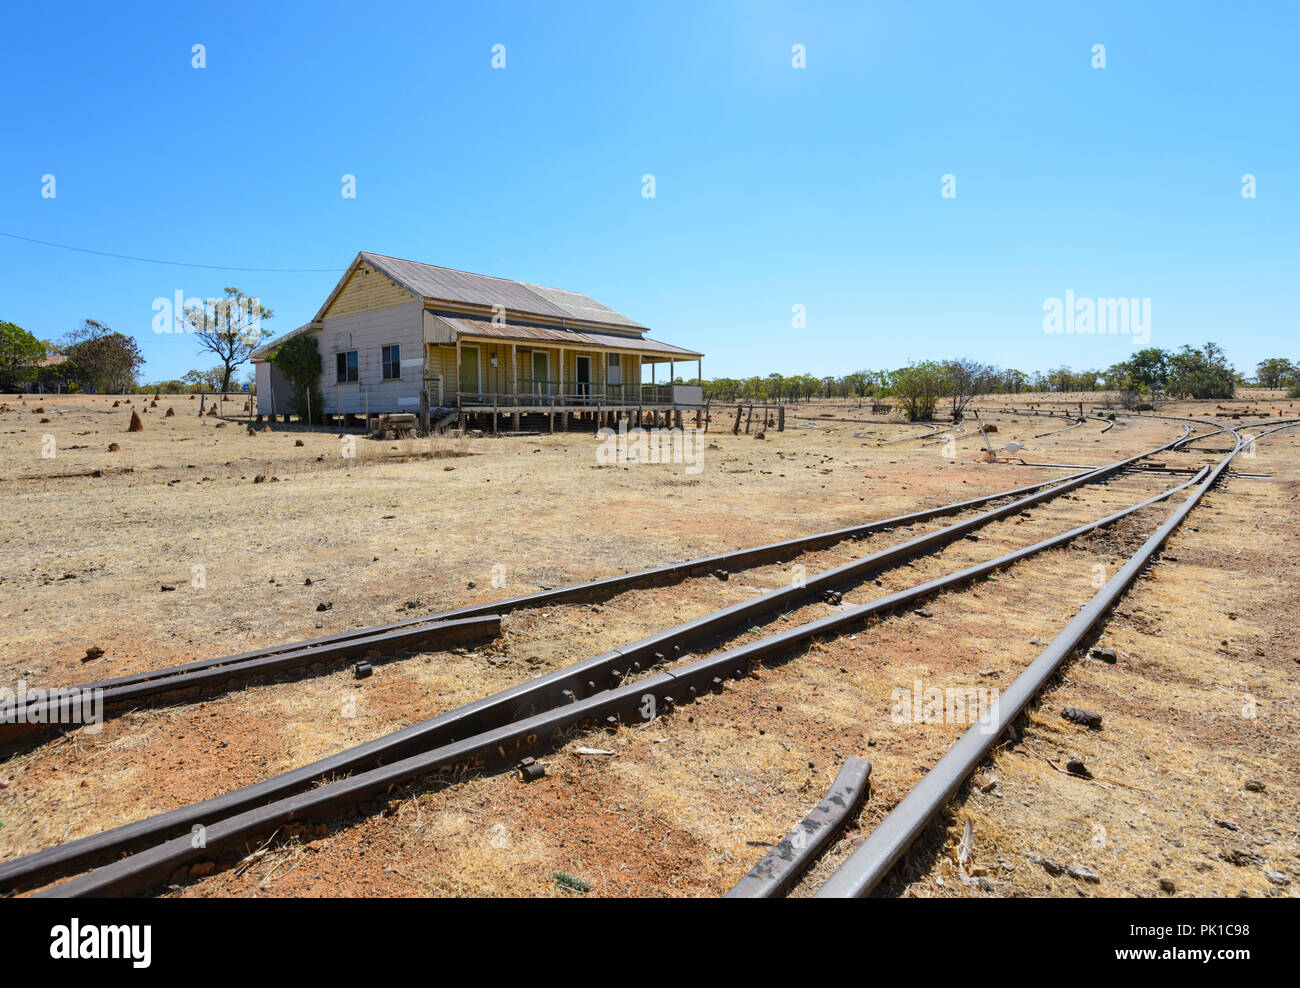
(177, 264)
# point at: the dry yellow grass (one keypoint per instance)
(693, 795)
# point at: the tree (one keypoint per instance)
(1013, 381)
(102, 360)
(20, 353)
(1203, 373)
(1150, 368)
(1276, 372)
(229, 327)
(298, 359)
(918, 388)
(208, 380)
(964, 380)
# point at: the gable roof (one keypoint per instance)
(429, 281)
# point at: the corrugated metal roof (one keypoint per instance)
(526, 332)
(448, 284)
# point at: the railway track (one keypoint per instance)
(450, 628)
(490, 734)
(479, 623)
(466, 625)
(872, 861)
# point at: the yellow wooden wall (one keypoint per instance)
(366, 289)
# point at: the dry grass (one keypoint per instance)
(681, 805)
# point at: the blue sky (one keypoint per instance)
(774, 186)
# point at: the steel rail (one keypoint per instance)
(1055, 432)
(907, 439)
(874, 858)
(582, 679)
(781, 867)
(635, 702)
(948, 436)
(16, 720)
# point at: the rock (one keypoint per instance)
(1167, 885)
(1083, 873)
(1052, 866)
(165, 587)
(1254, 786)
(1225, 824)
(470, 585)
(299, 442)
(113, 447)
(1276, 877)
(1104, 655)
(1085, 717)
(1240, 858)
(1075, 766)
(722, 574)
(260, 479)
(92, 653)
(325, 605)
(921, 612)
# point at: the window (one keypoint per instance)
(392, 362)
(345, 365)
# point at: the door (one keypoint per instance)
(614, 386)
(584, 376)
(469, 370)
(541, 372)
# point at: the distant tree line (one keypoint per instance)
(923, 387)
